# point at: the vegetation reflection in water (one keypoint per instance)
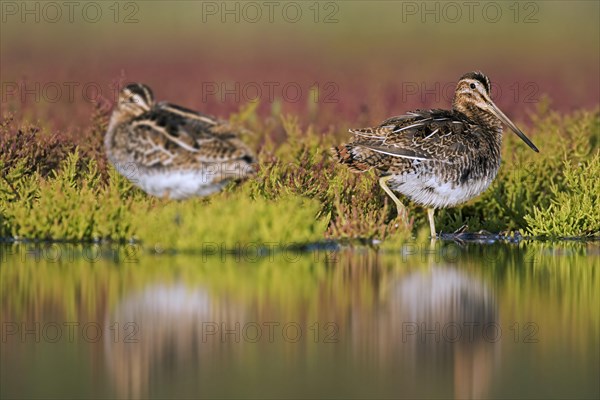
(419, 321)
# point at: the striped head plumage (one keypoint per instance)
(135, 99)
(473, 99)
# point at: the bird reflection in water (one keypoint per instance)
(169, 321)
(450, 321)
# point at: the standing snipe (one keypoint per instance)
(437, 158)
(172, 152)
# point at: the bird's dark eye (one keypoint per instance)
(472, 86)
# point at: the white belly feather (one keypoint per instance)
(428, 191)
(180, 184)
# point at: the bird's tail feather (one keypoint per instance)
(354, 157)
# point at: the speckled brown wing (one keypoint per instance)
(171, 136)
(217, 143)
(399, 142)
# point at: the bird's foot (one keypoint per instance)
(461, 230)
(484, 233)
(513, 236)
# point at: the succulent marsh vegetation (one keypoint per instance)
(59, 187)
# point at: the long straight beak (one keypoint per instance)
(494, 109)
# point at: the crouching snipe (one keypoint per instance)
(172, 152)
(437, 158)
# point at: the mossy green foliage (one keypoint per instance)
(69, 204)
(299, 194)
(232, 221)
(573, 210)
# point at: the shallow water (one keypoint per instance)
(449, 320)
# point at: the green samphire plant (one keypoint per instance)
(299, 194)
(574, 209)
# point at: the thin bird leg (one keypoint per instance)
(401, 209)
(430, 212)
